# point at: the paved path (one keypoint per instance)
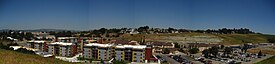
(168, 59)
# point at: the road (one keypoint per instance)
(168, 59)
(190, 58)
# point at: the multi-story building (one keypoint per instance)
(98, 51)
(132, 53)
(38, 45)
(67, 39)
(62, 49)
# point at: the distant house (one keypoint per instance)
(67, 39)
(10, 38)
(43, 36)
(158, 47)
(201, 46)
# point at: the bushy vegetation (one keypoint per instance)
(213, 51)
(270, 38)
(2, 46)
(193, 50)
(21, 50)
(119, 62)
(16, 34)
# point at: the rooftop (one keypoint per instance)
(66, 37)
(61, 43)
(37, 41)
(100, 45)
(131, 46)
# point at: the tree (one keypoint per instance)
(171, 29)
(193, 50)
(181, 50)
(214, 50)
(228, 51)
(23, 50)
(260, 53)
(271, 40)
(119, 62)
(143, 29)
(166, 51)
(206, 52)
(80, 58)
(101, 61)
(222, 46)
(245, 47)
(177, 45)
(91, 60)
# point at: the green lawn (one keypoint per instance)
(270, 60)
(12, 57)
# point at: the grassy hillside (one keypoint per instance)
(268, 61)
(242, 38)
(12, 57)
(201, 37)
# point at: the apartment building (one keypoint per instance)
(98, 51)
(62, 49)
(132, 53)
(67, 39)
(38, 45)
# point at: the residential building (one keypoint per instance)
(131, 53)
(98, 51)
(67, 39)
(62, 49)
(39, 45)
(201, 46)
(158, 47)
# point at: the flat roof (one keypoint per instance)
(100, 45)
(132, 46)
(66, 37)
(61, 43)
(117, 46)
(37, 41)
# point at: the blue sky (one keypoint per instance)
(257, 15)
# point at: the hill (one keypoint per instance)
(12, 57)
(187, 37)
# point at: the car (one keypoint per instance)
(197, 58)
(259, 57)
(208, 62)
(170, 56)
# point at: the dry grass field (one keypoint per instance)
(226, 39)
(265, 50)
(12, 57)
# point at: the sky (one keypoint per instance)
(257, 15)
